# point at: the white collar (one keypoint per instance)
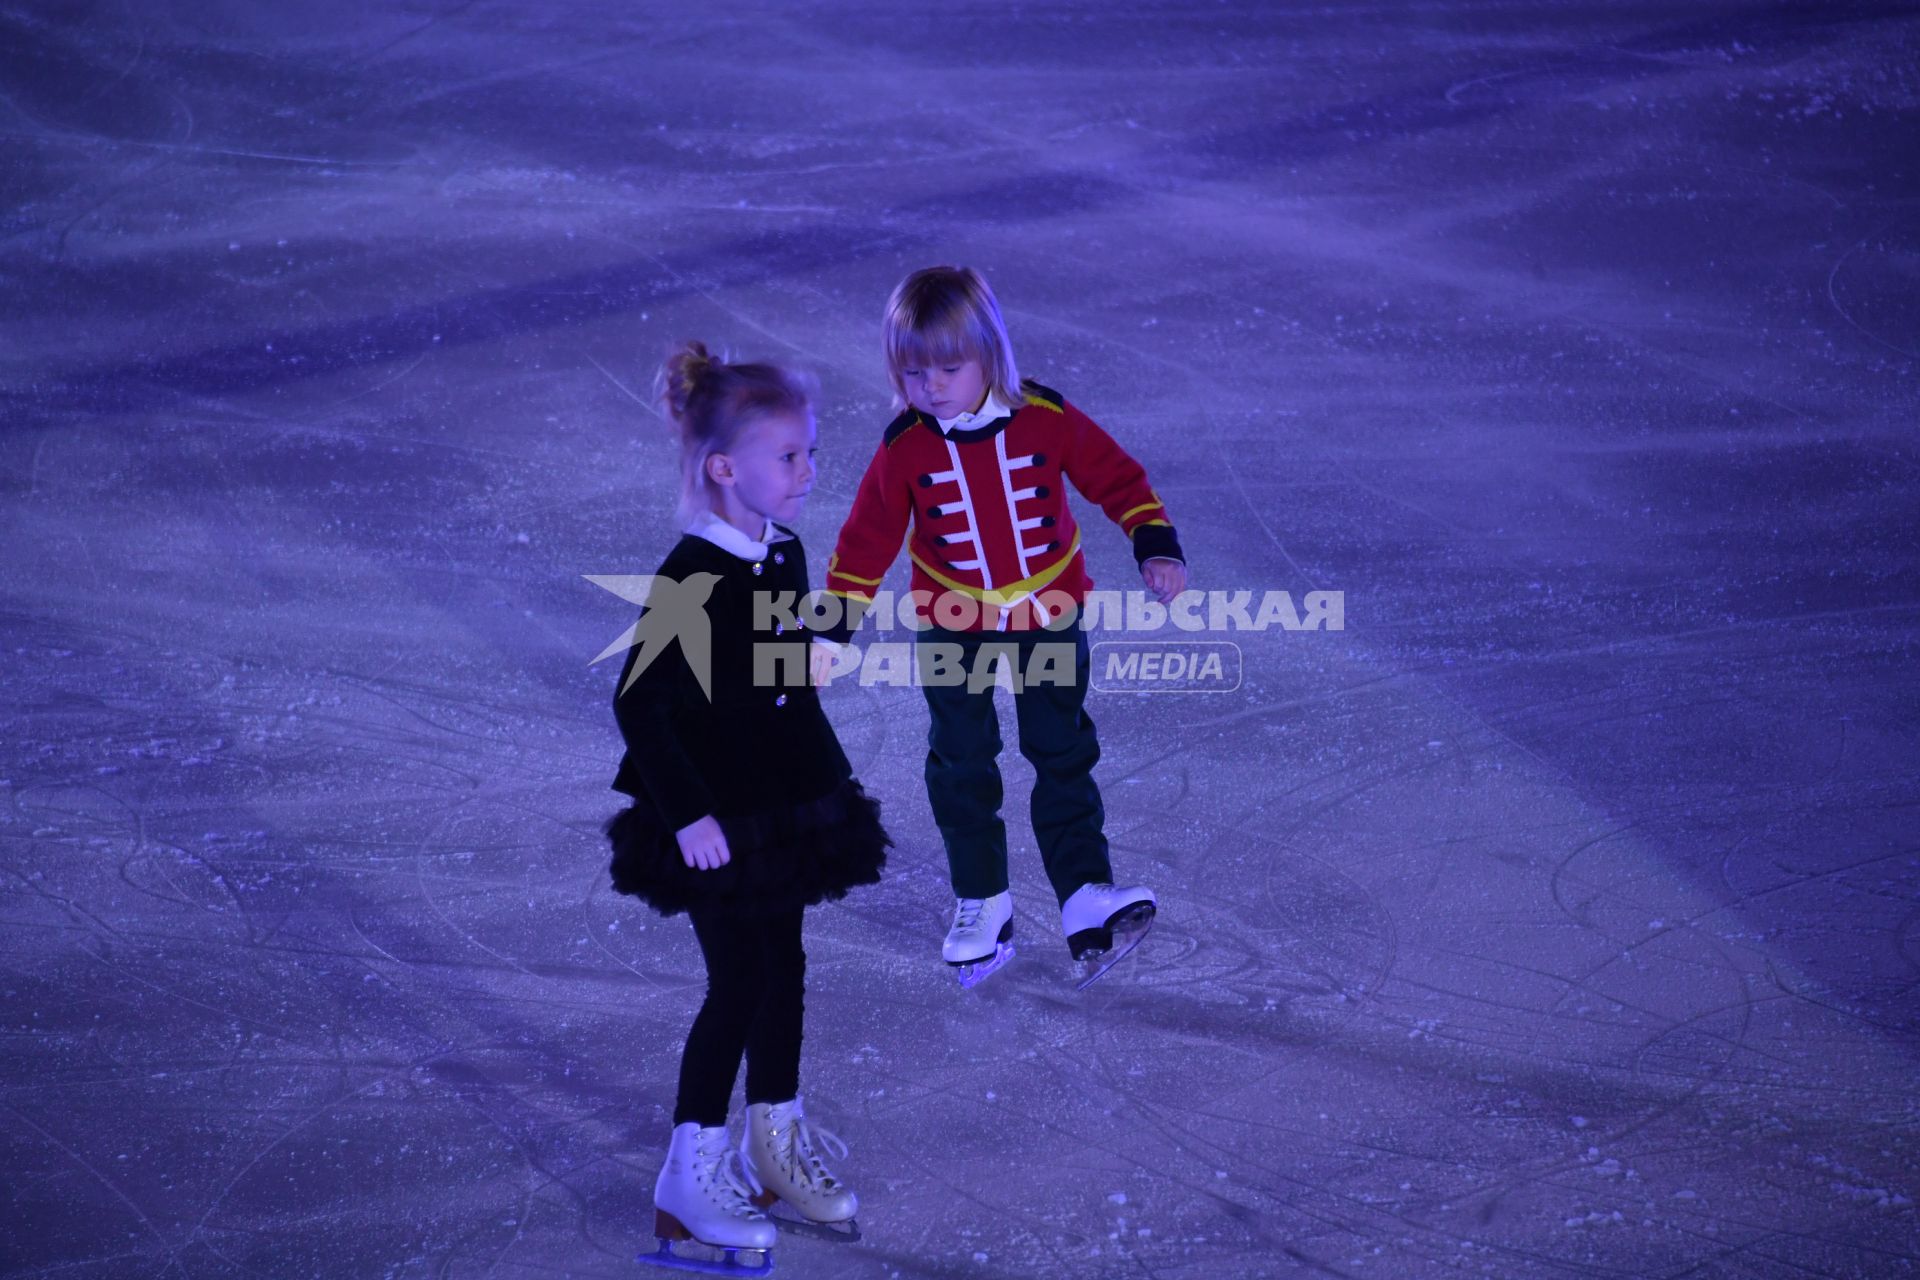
(729, 539)
(992, 411)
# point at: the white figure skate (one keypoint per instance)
(981, 939)
(703, 1198)
(1102, 924)
(783, 1151)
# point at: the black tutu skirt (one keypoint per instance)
(778, 859)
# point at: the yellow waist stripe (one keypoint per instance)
(1011, 594)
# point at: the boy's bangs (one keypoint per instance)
(949, 343)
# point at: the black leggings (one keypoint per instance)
(756, 984)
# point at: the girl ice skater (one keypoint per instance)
(745, 810)
(974, 465)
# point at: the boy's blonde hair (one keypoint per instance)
(947, 314)
(711, 403)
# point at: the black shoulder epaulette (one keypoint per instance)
(906, 419)
(1037, 394)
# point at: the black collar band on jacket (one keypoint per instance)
(972, 434)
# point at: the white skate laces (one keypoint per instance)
(981, 939)
(721, 1173)
(794, 1137)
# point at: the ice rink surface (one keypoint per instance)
(1559, 917)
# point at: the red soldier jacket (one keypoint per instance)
(989, 518)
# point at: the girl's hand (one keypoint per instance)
(703, 844)
(1165, 578)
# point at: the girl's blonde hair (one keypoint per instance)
(948, 314)
(711, 403)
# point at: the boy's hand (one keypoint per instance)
(820, 660)
(703, 844)
(1165, 578)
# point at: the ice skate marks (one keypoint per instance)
(974, 972)
(723, 1261)
(1097, 950)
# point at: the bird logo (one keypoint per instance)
(674, 609)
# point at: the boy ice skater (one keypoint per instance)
(974, 465)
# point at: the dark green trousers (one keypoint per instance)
(1056, 736)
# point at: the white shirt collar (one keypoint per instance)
(731, 540)
(992, 411)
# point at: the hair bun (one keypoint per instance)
(685, 370)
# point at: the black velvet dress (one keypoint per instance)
(760, 755)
